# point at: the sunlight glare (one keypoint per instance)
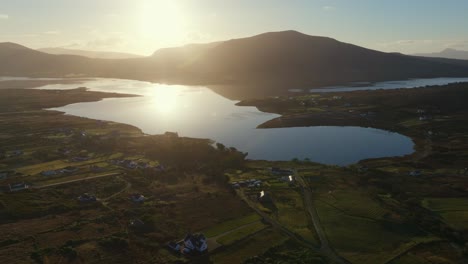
(165, 100)
(162, 19)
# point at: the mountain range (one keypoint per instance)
(447, 53)
(89, 53)
(286, 58)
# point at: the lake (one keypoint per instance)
(201, 113)
(405, 84)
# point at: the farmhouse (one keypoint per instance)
(49, 173)
(85, 198)
(69, 169)
(278, 171)
(415, 173)
(18, 187)
(137, 198)
(195, 244)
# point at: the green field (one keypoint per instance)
(255, 245)
(354, 203)
(453, 210)
(241, 233)
(292, 214)
(366, 239)
(231, 224)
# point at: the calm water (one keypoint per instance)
(412, 83)
(201, 113)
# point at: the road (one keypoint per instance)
(325, 247)
(77, 180)
(275, 223)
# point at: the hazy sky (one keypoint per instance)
(142, 26)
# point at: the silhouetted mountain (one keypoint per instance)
(291, 57)
(278, 59)
(447, 53)
(90, 53)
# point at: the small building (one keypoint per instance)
(18, 187)
(136, 223)
(363, 169)
(6, 174)
(195, 244)
(264, 197)
(425, 117)
(278, 171)
(48, 173)
(86, 198)
(69, 169)
(137, 198)
(289, 178)
(171, 134)
(415, 173)
(16, 153)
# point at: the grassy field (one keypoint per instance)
(255, 245)
(231, 224)
(241, 233)
(292, 214)
(453, 210)
(360, 234)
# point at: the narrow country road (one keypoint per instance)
(77, 180)
(309, 204)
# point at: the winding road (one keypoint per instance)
(325, 247)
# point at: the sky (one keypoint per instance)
(143, 26)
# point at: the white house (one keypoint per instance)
(195, 243)
(18, 187)
(49, 173)
(137, 198)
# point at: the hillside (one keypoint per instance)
(89, 53)
(270, 59)
(293, 57)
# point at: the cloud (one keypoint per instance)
(457, 44)
(52, 32)
(4, 16)
(328, 8)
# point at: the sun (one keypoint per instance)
(162, 20)
(165, 100)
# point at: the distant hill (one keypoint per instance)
(276, 60)
(89, 53)
(447, 53)
(290, 57)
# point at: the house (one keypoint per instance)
(136, 223)
(130, 164)
(48, 173)
(6, 174)
(16, 153)
(195, 243)
(289, 178)
(69, 169)
(264, 197)
(425, 117)
(415, 173)
(18, 187)
(278, 171)
(363, 169)
(160, 168)
(85, 198)
(171, 134)
(137, 198)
